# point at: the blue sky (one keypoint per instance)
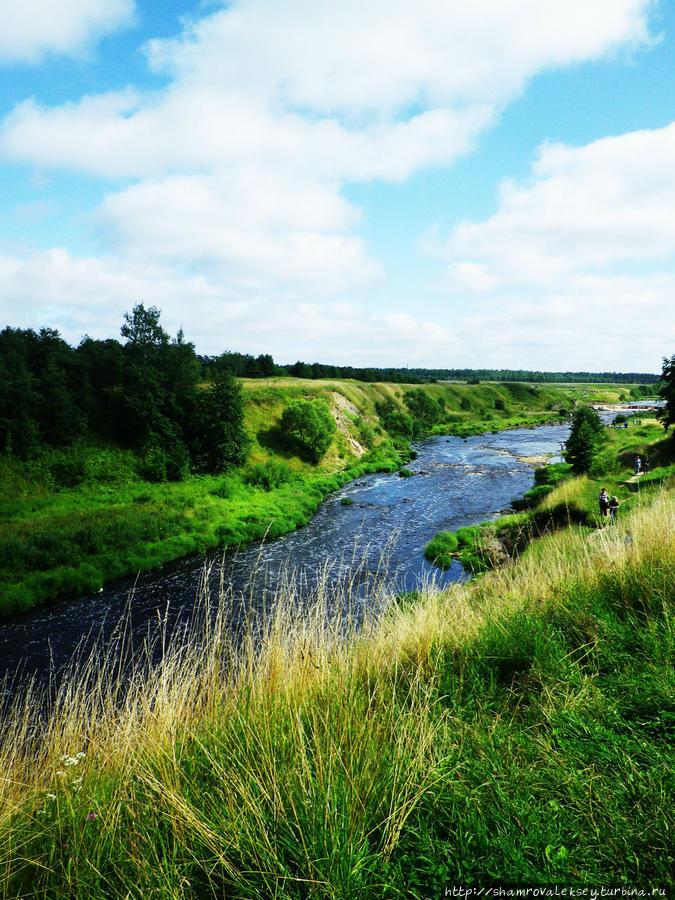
(484, 183)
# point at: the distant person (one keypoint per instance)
(603, 502)
(636, 464)
(645, 464)
(613, 507)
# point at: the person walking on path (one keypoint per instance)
(645, 464)
(613, 507)
(603, 502)
(636, 463)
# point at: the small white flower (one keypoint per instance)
(80, 755)
(60, 772)
(51, 796)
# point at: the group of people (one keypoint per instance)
(608, 505)
(641, 464)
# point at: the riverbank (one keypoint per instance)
(558, 499)
(72, 520)
(512, 730)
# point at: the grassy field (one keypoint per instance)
(517, 729)
(72, 519)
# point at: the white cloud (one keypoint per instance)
(340, 90)
(255, 228)
(578, 261)
(126, 135)
(611, 202)
(353, 57)
(31, 28)
(595, 323)
(34, 288)
(240, 161)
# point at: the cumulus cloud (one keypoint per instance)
(579, 255)
(33, 288)
(354, 57)
(254, 226)
(599, 323)
(583, 209)
(581, 326)
(123, 134)
(31, 28)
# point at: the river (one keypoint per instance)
(455, 482)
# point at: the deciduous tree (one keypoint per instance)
(667, 392)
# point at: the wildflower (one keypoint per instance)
(60, 772)
(73, 760)
(51, 796)
(91, 816)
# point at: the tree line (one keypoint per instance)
(247, 366)
(645, 378)
(146, 394)
(244, 365)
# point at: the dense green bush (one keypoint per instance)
(365, 432)
(667, 392)
(269, 475)
(310, 427)
(533, 497)
(546, 478)
(397, 423)
(604, 462)
(552, 474)
(423, 408)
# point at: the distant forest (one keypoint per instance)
(247, 366)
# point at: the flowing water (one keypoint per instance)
(455, 482)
